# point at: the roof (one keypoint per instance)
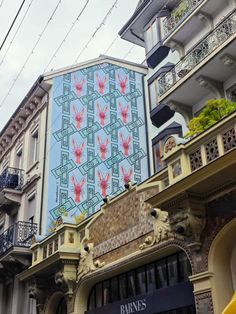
(101, 59)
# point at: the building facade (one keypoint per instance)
(150, 242)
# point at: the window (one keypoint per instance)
(34, 146)
(166, 272)
(151, 36)
(231, 93)
(159, 164)
(19, 159)
(153, 92)
(30, 209)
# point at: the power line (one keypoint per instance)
(12, 24)
(17, 30)
(67, 34)
(129, 51)
(111, 44)
(1, 3)
(31, 53)
(97, 29)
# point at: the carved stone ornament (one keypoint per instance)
(87, 264)
(170, 144)
(38, 293)
(66, 279)
(188, 224)
(161, 228)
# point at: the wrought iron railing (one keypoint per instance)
(17, 235)
(12, 178)
(212, 41)
(178, 15)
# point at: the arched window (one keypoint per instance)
(62, 307)
(164, 273)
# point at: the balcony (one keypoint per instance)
(14, 245)
(203, 167)
(11, 183)
(204, 68)
(178, 15)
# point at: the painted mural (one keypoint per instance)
(98, 139)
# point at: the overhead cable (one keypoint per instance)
(12, 24)
(67, 34)
(16, 32)
(96, 30)
(31, 52)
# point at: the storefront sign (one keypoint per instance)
(133, 307)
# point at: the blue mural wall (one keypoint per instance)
(98, 139)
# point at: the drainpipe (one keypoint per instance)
(44, 160)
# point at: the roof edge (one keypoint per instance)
(102, 58)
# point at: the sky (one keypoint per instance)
(18, 49)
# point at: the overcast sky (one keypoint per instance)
(32, 26)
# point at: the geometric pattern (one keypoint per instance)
(98, 138)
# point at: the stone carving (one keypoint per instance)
(188, 223)
(66, 279)
(170, 144)
(161, 228)
(38, 293)
(87, 265)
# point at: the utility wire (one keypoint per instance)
(112, 43)
(12, 24)
(31, 53)
(16, 32)
(67, 34)
(130, 50)
(1, 3)
(97, 29)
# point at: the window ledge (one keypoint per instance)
(34, 165)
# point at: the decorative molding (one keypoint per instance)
(87, 264)
(214, 86)
(161, 228)
(178, 46)
(228, 60)
(206, 19)
(184, 110)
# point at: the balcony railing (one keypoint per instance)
(12, 178)
(212, 41)
(178, 15)
(17, 235)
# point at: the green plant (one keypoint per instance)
(215, 110)
(180, 11)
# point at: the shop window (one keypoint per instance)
(99, 295)
(172, 263)
(123, 286)
(106, 292)
(141, 280)
(166, 272)
(131, 284)
(114, 289)
(184, 267)
(151, 277)
(161, 274)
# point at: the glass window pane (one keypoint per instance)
(154, 34)
(114, 290)
(161, 274)
(148, 39)
(106, 292)
(123, 287)
(172, 270)
(141, 280)
(131, 284)
(184, 267)
(153, 95)
(92, 300)
(99, 295)
(151, 279)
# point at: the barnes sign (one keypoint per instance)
(133, 307)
